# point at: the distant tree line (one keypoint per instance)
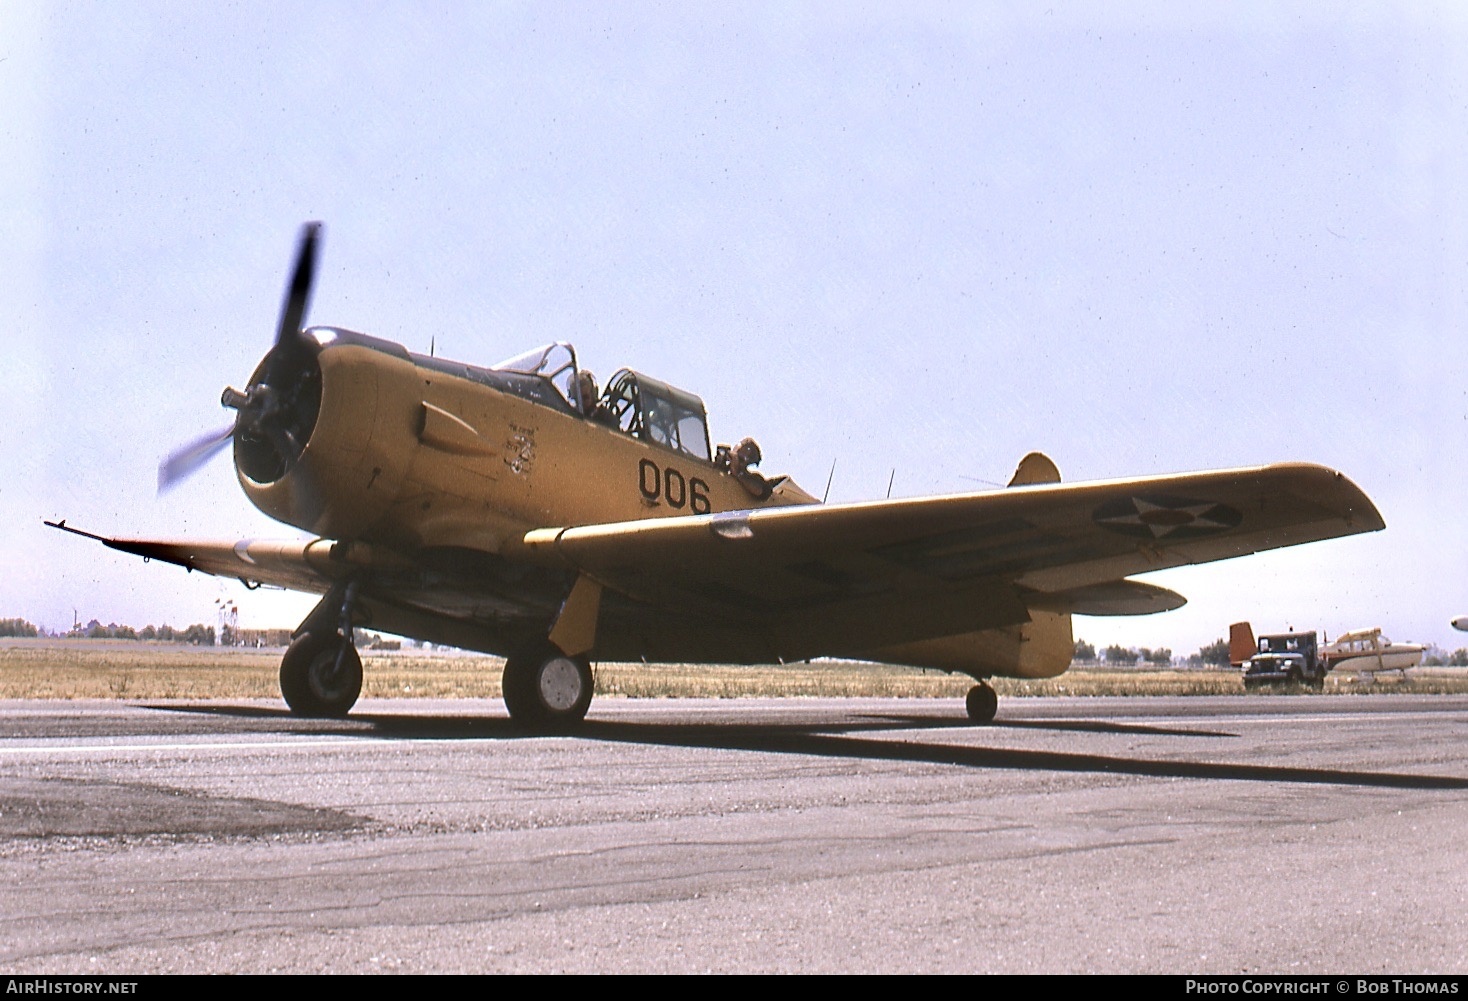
(1215, 653)
(1117, 655)
(1436, 657)
(197, 634)
(1124, 656)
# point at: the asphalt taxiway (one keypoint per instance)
(1240, 834)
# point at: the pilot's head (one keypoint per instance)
(748, 453)
(586, 390)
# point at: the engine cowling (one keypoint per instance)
(321, 453)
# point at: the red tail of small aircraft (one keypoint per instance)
(1241, 644)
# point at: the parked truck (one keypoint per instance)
(1277, 659)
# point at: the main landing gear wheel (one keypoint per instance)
(315, 680)
(982, 703)
(547, 691)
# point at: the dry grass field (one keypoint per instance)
(103, 669)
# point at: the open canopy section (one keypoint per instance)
(635, 404)
(656, 412)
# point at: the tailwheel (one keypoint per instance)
(545, 690)
(982, 703)
(321, 675)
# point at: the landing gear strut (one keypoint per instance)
(982, 702)
(321, 673)
(545, 690)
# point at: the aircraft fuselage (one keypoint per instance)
(415, 452)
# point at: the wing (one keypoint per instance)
(847, 578)
(861, 580)
(468, 599)
(296, 566)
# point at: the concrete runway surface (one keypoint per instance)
(1276, 834)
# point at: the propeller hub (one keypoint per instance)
(276, 413)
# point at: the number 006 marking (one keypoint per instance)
(672, 486)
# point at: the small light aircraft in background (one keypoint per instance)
(1461, 623)
(516, 511)
(1368, 653)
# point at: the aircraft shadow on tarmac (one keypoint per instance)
(835, 741)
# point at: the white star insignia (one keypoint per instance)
(1163, 521)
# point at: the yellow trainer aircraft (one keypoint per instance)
(513, 510)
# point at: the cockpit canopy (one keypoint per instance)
(635, 404)
(657, 412)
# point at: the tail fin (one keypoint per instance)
(1241, 644)
(1035, 468)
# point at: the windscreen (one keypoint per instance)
(555, 363)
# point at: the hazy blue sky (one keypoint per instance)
(927, 238)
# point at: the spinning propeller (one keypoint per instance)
(276, 412)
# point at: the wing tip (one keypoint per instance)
(1360, 511)
(1335, 490)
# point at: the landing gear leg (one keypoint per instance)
(982, 703)
(545, 690)
(321, 673)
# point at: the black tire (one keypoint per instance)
(310, 680)
(547, 691)
(982, 703)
